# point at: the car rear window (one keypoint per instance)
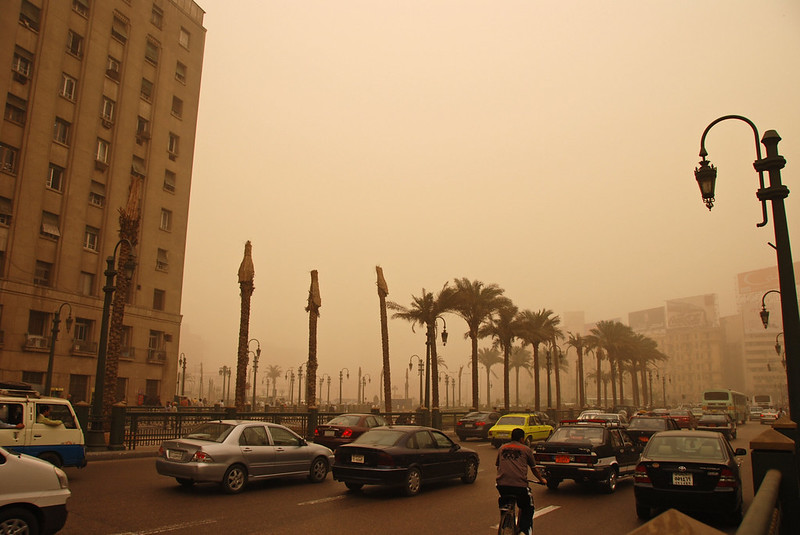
(511, 420)
(212, 432)
(646, 423)
(380, 437)
(578, 434)
(689, 448)
(713, 418)
(345, 419)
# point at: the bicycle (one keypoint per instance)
(508, 513)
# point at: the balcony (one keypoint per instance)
(36, 343)
(127, 353)
(84, 348)
(156, 356)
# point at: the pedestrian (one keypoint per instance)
(513, 460)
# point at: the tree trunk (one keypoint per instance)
(506, 389)
(473, 336)
(246, 276)
(557, 369)
(581, 389)
(599, 354)
(434, 366)
(383, 291)
(536, 378)
(488, 389)
(612, 365)
(314, 302)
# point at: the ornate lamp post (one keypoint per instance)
(446, 387)
(95, 438)
(48, 382)
(366, 378)
(182, 366)
(299, 384)
(764, 314)
(289, 375)
(421, 364)
(776, 192)
(341, 372)
(225, 373)
(256, 355)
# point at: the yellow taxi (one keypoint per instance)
(534, 429)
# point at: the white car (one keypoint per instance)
(33, 495)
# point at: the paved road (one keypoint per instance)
(126, 496)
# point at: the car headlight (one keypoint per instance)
(62, 478)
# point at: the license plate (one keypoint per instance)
(644, 439)
(175, 455)
(330, 433)
(469, 426)
(503, 435)
(562, 458)
(357, 459)
(685, 480)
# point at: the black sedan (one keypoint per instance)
(642, 428)
(692, 471)
(476, 425)
(345, 428)
(405, 457)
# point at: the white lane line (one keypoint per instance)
(323, 500)
(538, 513)
(171, 527)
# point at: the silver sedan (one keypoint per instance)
(236, 452)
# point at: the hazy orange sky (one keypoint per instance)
(547, 147)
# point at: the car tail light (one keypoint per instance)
(640, 475)
(347, 433)
(727, 479)
(161, 451)
(544, 457)
(201, 457)
(459, 422)
(585, 459)
(384, 459)
(316, 431)
(480, 424)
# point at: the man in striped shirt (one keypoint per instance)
(513, 460)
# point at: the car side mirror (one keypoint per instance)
(740, 451)
(455, 447)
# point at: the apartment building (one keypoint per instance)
(101, 100)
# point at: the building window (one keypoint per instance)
(83, 330)
(113, 68)
(138, 167)
(151, 52)
(159, 297)
(42, 273)
(180, 72)
(183, 38)
(5, 211)
(142, 130)
(103, 148)
(162, 263)
(22, 64)
(155, 345)
(166, 220)
(177, 107)
(122, 386)
(16, 109)
(55, 178)
(69, 86)
(172, 146)
(86, 283)
(74, 44)
(97, 194)
(38, 323)
(81, 7)
(152, 387)
(107, 112)
(90, 238)
(30, 15)
(50, 226)
(8, 159)
(147, 89)
(78, 387)
(126, 349)
(157, 16)
(36, 378)
(119, 29)
(61, 131)
(169, 181)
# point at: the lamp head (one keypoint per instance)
(444, 337)
(706, 176)
(69, 322)
(764, 316)
(130, 266)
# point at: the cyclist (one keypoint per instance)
(513, 460)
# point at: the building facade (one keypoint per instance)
(101, 101)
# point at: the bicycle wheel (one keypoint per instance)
(508, 521)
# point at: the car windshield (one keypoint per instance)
(578, 434)
(685, 447)
(212, 432)
(345, 419)
(714, 418)
(646, 423)
(380, 437)
(511, 420)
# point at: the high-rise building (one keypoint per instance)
(101, 100)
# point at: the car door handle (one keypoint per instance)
(247, 450)
(278, 449)
(37, 436)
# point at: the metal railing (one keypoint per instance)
(763, 515)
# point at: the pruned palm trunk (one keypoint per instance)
(314, 302)
(383, 291)
(613, 365)
(557, 368)
(475, 400)
(536, 378)
(246, 276)
(581, 388)
(488, 389)
(599, 355)
(434, 366)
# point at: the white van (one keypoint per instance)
(60, 442)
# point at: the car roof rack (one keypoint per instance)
(16, 393)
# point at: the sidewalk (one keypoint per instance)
(111, 455)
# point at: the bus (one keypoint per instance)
(762, 401)
(734, 403)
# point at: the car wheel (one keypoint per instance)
(234, 479)
(552, 483)
(470, 471)
(413, 482)
(52, 458)
(528, 441)
(610, 483)
(643, 512)
(18, 521)
(353, 486)
(318, 471)
(184, 482)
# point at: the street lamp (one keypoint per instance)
(446, 387)
(341, 372)
(182, 365)
(95, 438)
(366, 378)
(421, 364)
(764, 312)
(48, 382)
(225, 372)
(299, 384)
(289, 375)
(429, 343)
(776, 192)
(255, 366)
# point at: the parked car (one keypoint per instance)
(768, 416)
(33, 495)
(534, 429)
(587, 451)
(234, 453)
(684, 418)
(476, 425)
(642, 428)
(720, 422)
(403, 456)
(692, 471)
(345, 428)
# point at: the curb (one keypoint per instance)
(111, 455)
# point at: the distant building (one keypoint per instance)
(101, 101)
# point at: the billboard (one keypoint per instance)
(648, 320)
(700, 311)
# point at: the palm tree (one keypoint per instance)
(475, 303)
(314, 302)
(579, 343)
(246, 287)
(592, 344)
(383, 291)
(613, 337)
(273, 372)
(488, 357)
(503, 328)
(553, 335)
(532, 331)
(604, 378)
(520, 358)
(423, 312)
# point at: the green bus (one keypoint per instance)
(734, 403)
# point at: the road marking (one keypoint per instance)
(323, 500)
(538, 513)
(171, 527)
